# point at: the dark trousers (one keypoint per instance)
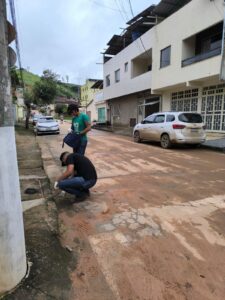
(81, 148)
(77, 185)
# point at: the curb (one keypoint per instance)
(213, 148)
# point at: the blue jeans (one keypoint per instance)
(81, 148)
(77, 185)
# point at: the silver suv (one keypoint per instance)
(171, 128)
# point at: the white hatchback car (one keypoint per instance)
(171, 128)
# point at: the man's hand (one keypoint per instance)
(56, 187)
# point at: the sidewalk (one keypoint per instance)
(215, 142)
(48, 262)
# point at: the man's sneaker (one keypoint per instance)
(81, 198)
(88, 193)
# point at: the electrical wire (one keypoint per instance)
(121, 13)
(142, 43)
(102, 5)
(123, 9)
(131, 8)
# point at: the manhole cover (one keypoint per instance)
(31, 191)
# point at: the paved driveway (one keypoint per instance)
(154, 226)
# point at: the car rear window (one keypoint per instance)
(190, 118)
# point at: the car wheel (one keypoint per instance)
(165, 141)
(137, 138)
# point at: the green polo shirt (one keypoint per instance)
(78, 124)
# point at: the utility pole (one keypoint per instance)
(12, 243)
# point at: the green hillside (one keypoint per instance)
(68, 90)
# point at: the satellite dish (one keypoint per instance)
(12, 57)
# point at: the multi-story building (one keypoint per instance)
(98, 109)
(87, 93)
(174, 64)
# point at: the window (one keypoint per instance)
(170, 118)
(149, 119)
(165, 57)
(185, 100)
(159, 119)
(117, 75)
(107, 80)
(126, 67)
(190, 118)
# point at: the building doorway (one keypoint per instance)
(148, 107)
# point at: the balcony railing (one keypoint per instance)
(200, 57)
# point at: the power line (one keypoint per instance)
(102, 5)
(131, 9)
(123, 9)
(132, 13)
(121, 13)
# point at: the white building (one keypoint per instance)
(173, 65)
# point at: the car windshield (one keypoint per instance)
(44, 120)
(190, 118)
(36, 116)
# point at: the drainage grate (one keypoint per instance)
(31, 191)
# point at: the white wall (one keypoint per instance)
(122, 110)
(188, 21)
(127, 85)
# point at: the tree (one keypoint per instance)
(45, 89)
(60, 108)
(15, 82)
(28, 100)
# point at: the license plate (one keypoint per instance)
(194, 129)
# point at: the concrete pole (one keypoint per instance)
(12, 243)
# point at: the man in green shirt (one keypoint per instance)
(80, 125)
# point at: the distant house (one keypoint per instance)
(87, 93)
(97, 109)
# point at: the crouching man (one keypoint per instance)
(79, 177)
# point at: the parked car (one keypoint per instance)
(46, 124)
(35, 118)
(171, 128)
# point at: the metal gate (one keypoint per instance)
(213, 107)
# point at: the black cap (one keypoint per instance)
(61, 158)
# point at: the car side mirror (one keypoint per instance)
(143, 122)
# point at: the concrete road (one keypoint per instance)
(154, 226)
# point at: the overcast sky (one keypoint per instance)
(67, 36)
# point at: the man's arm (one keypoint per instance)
(88, 127)
(69, 172)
